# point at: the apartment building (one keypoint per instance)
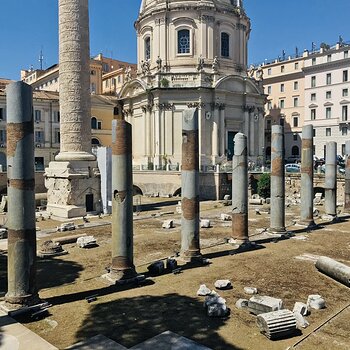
(327, 85)
(311, 88)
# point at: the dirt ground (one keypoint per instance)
(129, 315)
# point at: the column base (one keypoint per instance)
(190, 256)
(240, 244)
(330, 217)
(13, 302)
(125, 276)
(277, 230)
(307, 223)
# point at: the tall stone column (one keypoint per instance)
(222, 129)
(21, 194)
(277, 224)
(307, 177)
(122, 203)
(190, 247)
(73, 181)
(347, 177)
(330, 204)
(240, 190)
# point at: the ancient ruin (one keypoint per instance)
(73, 179)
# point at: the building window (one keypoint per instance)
(39, 137)
(37, 116)
(282, 69)
(345, 75)
(328, 94)
(344, 131)
(344, 113)
(313, 114)
(2, 136)
(313, 97)
(269, 105)
(328, 132)
(282, 88)
(313, 61)
(329, 79)
(57, 136)
(296, 65)
(269, 89)
(328, 112)
(346, 54)
(2, 114)
(296, 102)
(95, 142)
(93, 72)
(329, 58)
(345, 92)
(93, 123)
(281, 103)
(225, 45)
(269, 71)
(56, 116)
(296, 85)
(183, 41)
(313, 81)
(99, 125)
(314, 134)
(295, 151)
(295, 122)
(147, 48)
(295, 137)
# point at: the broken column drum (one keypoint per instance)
(331, 179)
(347, 177)
(240, 190)
(190, 248)
(307, 177)
(277, 223)
(122, 202)
(21, 194)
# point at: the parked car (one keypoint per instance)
(292, 168)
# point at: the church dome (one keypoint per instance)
(147, 4)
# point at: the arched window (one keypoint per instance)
(295, 151)
(147, 48)
(183, 41)
(93, 123)
(95, 142)
(225, 45)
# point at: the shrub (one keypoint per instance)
(264, 185)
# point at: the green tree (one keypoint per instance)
(264, 184)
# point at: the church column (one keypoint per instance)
(157, 135)
(247, 126)
(215, 134)
(222, 129)
(251, 131)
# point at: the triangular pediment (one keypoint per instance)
(328, 104)
(344, 102)
(313, 105)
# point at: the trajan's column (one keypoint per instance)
(73, 179)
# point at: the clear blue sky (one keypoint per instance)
(27, 26)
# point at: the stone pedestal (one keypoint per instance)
(73, 188)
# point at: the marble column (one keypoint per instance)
(240, 190)
(330, 204)
(222, 130)
(73, 180)
(307, 177)
(190, 246)
(215, 135)
(277, 224)
(21, 225)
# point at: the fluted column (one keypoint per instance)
(330, 204)
(74, 81)
(347, 177)
(215, 135)
(222, 130)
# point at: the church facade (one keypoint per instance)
(192, 54)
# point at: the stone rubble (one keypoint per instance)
(225, 217)
(168, 224)
(216, 306)
(68, 226)
(205, 223)
(263, 304)
(156, 268)
(86, 242)
(223, 284)
(203, 290)
(242, 303)
(301, 308)
(316, 302)
(250, 290)
(301, 321)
